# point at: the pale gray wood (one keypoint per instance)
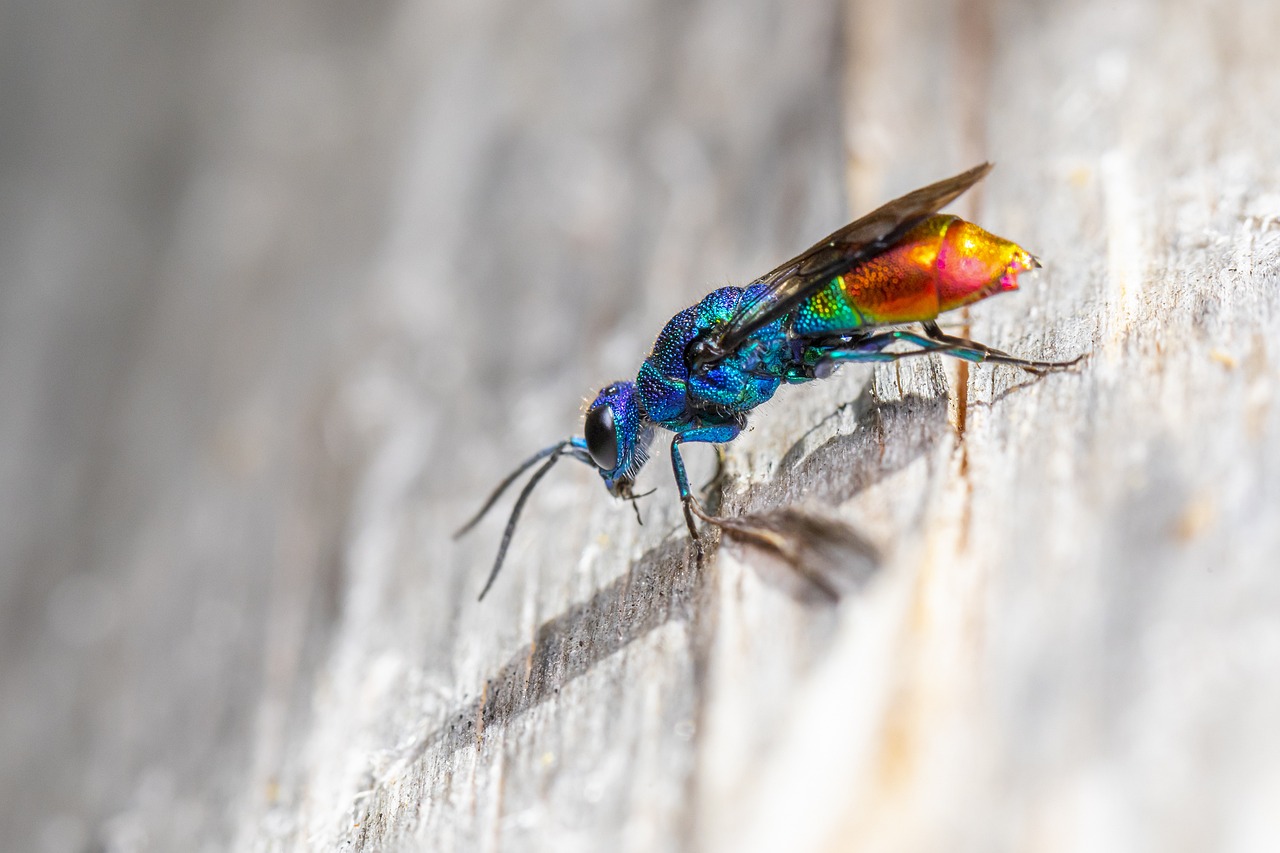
(1071, 560)
(293, 349)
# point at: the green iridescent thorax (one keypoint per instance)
(940, 264)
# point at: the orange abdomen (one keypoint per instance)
(940, 264)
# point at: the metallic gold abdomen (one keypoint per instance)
(940, 264)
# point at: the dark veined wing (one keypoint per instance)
(810, 271)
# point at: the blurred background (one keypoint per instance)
(286, 287)
(265, 267)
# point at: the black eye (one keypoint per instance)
(602, 443)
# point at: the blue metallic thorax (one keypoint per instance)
(675, 400)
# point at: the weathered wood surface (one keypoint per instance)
(281, 308)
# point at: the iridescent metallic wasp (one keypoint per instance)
(715, 361)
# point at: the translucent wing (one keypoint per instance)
(807, 273)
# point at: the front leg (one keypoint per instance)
(718, 434)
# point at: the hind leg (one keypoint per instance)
(964, 345)
(872, 349)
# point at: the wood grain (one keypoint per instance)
(376, 284)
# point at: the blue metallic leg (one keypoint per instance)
(719, 434)
(716, 478)
(871, 349)
(990, 353)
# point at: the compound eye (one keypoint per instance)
(602, 442)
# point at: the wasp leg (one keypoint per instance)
(716, 478)
(872, 349)
(718, 434)
(964, 345)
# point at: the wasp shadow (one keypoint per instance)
(816, 558)
(888, 435)
(666, 582)
(660, 587)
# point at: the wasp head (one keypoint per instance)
(618, 435)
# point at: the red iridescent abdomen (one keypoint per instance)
(940, 264)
